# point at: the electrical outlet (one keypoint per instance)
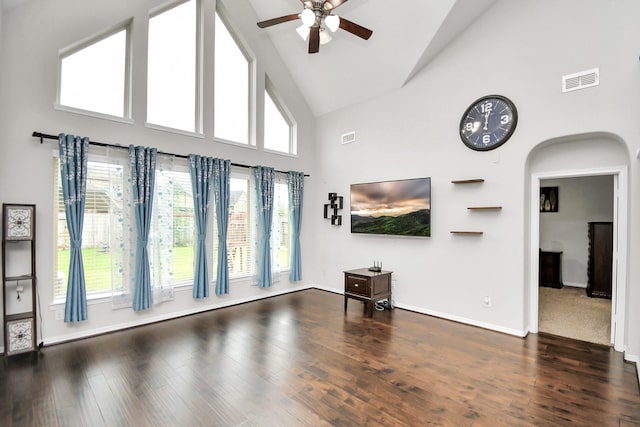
(59, 315)
(393, 283)
(487, 302)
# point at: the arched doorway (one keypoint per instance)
(581, 156)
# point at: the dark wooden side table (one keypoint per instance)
(367, 286)
(550, 274)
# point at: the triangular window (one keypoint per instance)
(232, 74)
(278, 134)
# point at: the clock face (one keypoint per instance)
(488, 123)
(19, 222)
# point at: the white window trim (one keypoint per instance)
(86, 42)
(235, 143)
(174, 130)
(93, 114)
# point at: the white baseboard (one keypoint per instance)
(174, 315)
(575, 285)
(484, 325)
(113, 328)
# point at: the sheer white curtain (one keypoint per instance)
(121, 226)
(123, 230)
(161, 243)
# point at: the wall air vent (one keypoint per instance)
(349, 137)
(581, 80)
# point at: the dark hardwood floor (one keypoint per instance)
(298, 360)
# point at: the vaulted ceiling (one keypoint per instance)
(407, 34)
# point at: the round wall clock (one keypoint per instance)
(488, 123)
(18, 222)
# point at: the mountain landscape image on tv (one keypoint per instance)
(400, 207)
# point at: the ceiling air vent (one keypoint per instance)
(349, 137)
(581, 80)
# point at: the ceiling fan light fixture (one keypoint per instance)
(325, 36)
(332, 22)
(308, 17)
(303, 31)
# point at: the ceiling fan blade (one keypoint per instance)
(332, 4)
(279, 20)
(355, 29)
(314, 39)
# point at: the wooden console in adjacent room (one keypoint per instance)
(599, 270)
(367, 286)
(550, 274)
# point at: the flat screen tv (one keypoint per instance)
(400, 207)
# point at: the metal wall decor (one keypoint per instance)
(331, 209)
(18, 222)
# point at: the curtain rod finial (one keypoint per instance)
(38, 135)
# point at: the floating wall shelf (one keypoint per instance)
(484, 208)
(467, 181)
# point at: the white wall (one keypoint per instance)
(581, 200)
(33, 33)
(521, 50)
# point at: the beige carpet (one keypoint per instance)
(569, 312)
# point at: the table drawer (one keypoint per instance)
(357, 285)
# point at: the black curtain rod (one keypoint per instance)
(44, 136)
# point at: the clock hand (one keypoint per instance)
(486, 120)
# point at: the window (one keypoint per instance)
(172, 233)
(242, 228)
(281, 228)
(278, 135)
(239, 232)
(109, 237)
(171, 68)
(103, 207)
(94, 76)
(231, 87)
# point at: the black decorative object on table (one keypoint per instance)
(377, 267)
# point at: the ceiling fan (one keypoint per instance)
(316, 18)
